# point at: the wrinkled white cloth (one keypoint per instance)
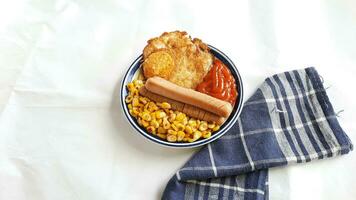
(62, 133)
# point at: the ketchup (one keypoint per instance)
(219, 83)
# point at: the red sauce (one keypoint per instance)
(219, 83)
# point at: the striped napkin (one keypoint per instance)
(289, 119)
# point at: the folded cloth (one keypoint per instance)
(289, 119)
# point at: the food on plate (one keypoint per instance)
(219, 83)
(189, 110)
(168, 89)
(177, 58)
(159, 119)
(182, 93)
(159, 63)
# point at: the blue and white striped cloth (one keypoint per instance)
(288, 120)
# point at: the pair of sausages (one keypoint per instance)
(191, 102)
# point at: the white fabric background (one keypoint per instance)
(62, 134)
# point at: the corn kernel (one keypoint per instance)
(129, 98)
(203, 126)
(141, 109)
(185, 121)
(192, 123)
(146, 116)
(217, 127)
(172, 132)
(163, 136)
(206, 134)
(135, 92)
(161, 130)
(143, 100)
(180, 117)
(180, 127)
(132, 112)
(174, 127)
(171, 138)
(151, 129)
(188, 129)
(180, 135)
(135, 111)
(197, 135)
(130, 86)
(146, 106)
(139, 121)
(129, 106)
(154, 123)
(153, 115)
(166, 105)
(211, 126)
(144, 123)
(190, 140)
(172, 117)
(135, 102)
(152, 107)
(141, 106)
(138, 83)
(160, 114)
(166, 124)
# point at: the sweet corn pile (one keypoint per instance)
(158, 118)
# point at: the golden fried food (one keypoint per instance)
(159, 63)
(176, 57)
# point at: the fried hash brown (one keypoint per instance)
(176, 57)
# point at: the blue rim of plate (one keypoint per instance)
(129, 75)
